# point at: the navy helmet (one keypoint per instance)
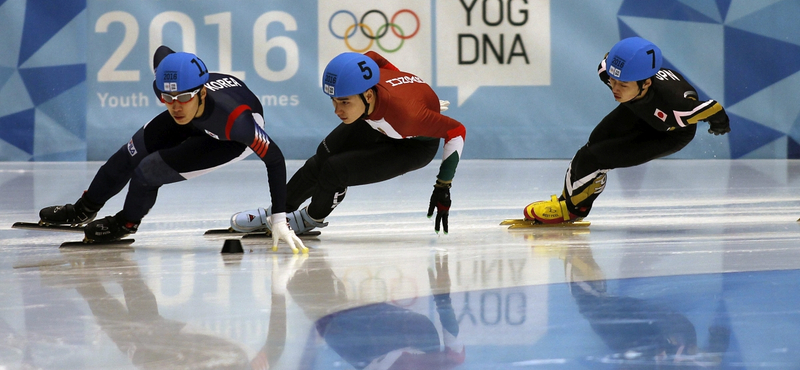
(179, 72)
(633, 59)
(349, 74)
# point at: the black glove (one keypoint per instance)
(720, 126)
(440, 199)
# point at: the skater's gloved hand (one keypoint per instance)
(440, 199)
(719, 126)
(444, 105)
(282, 231)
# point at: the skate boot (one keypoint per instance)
(249, 221)
(110, 229)
(551, 211)
(301, 222)
(78, 214)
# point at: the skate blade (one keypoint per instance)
(228, 231)
(94, 244)
(254, 234)
(262, 234)
(518, 223)
(42, 226)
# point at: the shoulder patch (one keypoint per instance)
(209, 133)
(131, 148)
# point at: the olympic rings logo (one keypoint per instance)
(376, 35)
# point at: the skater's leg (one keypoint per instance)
(303, 183)
(195, 156)
(586, 174)
(620, 140)
(161, 132)
(367, 166)
(299, 188)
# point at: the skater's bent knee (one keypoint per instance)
(154, 172)
(332, 176)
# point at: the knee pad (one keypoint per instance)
(154, 172)
(332, 177)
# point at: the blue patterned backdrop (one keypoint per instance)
(43, 79)
(743, 53)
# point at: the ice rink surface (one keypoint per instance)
(686, 264)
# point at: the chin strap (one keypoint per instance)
(366, 105)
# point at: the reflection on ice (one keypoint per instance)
(690, 263)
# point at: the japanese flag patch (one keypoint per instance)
(660, 115)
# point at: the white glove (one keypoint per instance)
(281, 231)
(443, 105)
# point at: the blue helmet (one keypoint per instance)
(633, 59)
(179, 72)
(349, 74)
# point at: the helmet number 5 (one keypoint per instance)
(367, 71)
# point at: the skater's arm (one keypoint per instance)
(454, 133)
(245, 130)
(453, 146)
(712, 112)
(689, 111)
(276, 176)
(436, 125)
